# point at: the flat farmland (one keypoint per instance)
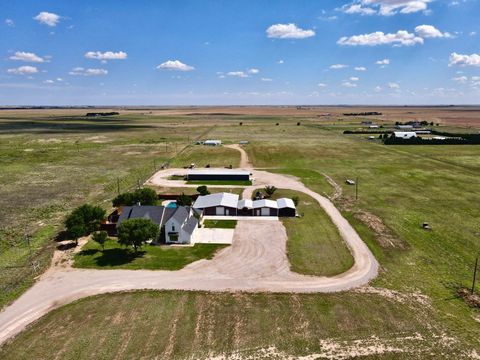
(65, 161)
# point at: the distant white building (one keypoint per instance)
(404, 127)
(405, 134)
(212, 142)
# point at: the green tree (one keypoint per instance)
(100, 237)
(124, 199)
(184, 200)
(203, 190)
(84, 220)
(145, 196)
(270, 190)
(135, 232)
(295, 200)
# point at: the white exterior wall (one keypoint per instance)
(183, 236)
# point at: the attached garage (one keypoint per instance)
(286, 207)
(220, 204)
(265, 207)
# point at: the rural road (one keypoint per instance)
(256, 262)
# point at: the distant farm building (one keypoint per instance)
(218, 175)
(243, 142)
(405, 134)
(212, 142)
(404, 127)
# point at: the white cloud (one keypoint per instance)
(108, 55)
(360, 68)
(27, 57)
(48, 82)
(59, 79)
(175, 65)
(429, 31)
(280, 61)
(377, 88)
(383, 62)
(354, 78)
(460, 79)
(385, 7)
(23, 70)
(400, 38)
(288, 31)
(80, 71)
(253, 71)
(240, 74)
(349, 84)
(47, 18)
(338, 66)
(9, 22)
(322, 85)
(393, 85)
(473, 33)
(266, 79)
(475, 78)
(464, 60)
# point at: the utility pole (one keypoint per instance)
(474, 275)
(154, 165)
(356, 189)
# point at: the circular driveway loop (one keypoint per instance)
(255, 262)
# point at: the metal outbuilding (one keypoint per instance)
(212, 174)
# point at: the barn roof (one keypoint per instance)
(218, 199)
(285, 203)
(265, 203)
(217, 171)
(245, 203)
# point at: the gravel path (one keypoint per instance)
(256, 262)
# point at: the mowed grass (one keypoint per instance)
(314, 245)
(220, 224)
(150, 257)
(197, 325)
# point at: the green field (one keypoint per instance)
(399, 188)
(221, 224)
(151, 257)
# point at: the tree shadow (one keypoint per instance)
(115, 257)
(67, 246)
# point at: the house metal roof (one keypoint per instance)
(265, 203)
(217, 171)
(218, 199)
(285, 203)
(245, 203)
(152, 213)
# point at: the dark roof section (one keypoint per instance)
(191, 225)
(159, 215)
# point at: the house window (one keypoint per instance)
(173, 227)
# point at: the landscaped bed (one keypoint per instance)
(152, 257)
(220, 224)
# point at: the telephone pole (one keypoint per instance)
(356, 189)
(474, 276)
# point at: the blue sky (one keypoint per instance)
(239, 52)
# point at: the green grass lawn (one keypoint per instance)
(198, 325)
(221, 224)
(149, 257)
(314, 246)
(220, 182)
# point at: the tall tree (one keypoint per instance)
(84, 220)
(135, 232)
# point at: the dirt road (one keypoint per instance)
(255, 262)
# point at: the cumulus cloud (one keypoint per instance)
(322, 85)
(385, 7)
(349, 84)
(280, 61)
(240, 74)
(27, 57)
(288, 31)
(393, 85)
(383, 62)
(46, 18)
(464, 60)
(9, 22)
(253, 71)
(108, 55)
(400, 38)
(80, 71)
(175, 65)
(338, 66)
(360, 68)
(266, 79)
(354, 78)
(23, 70)
(429, 31)
(48, 82)
(460, 79)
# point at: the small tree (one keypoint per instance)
(145, 196)
(184, 200)
(100, 237)
(240, 123)
(203, 190)
(298, 124)
(270, 190)
(84, 220)
(135, 232)
(124, 199)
